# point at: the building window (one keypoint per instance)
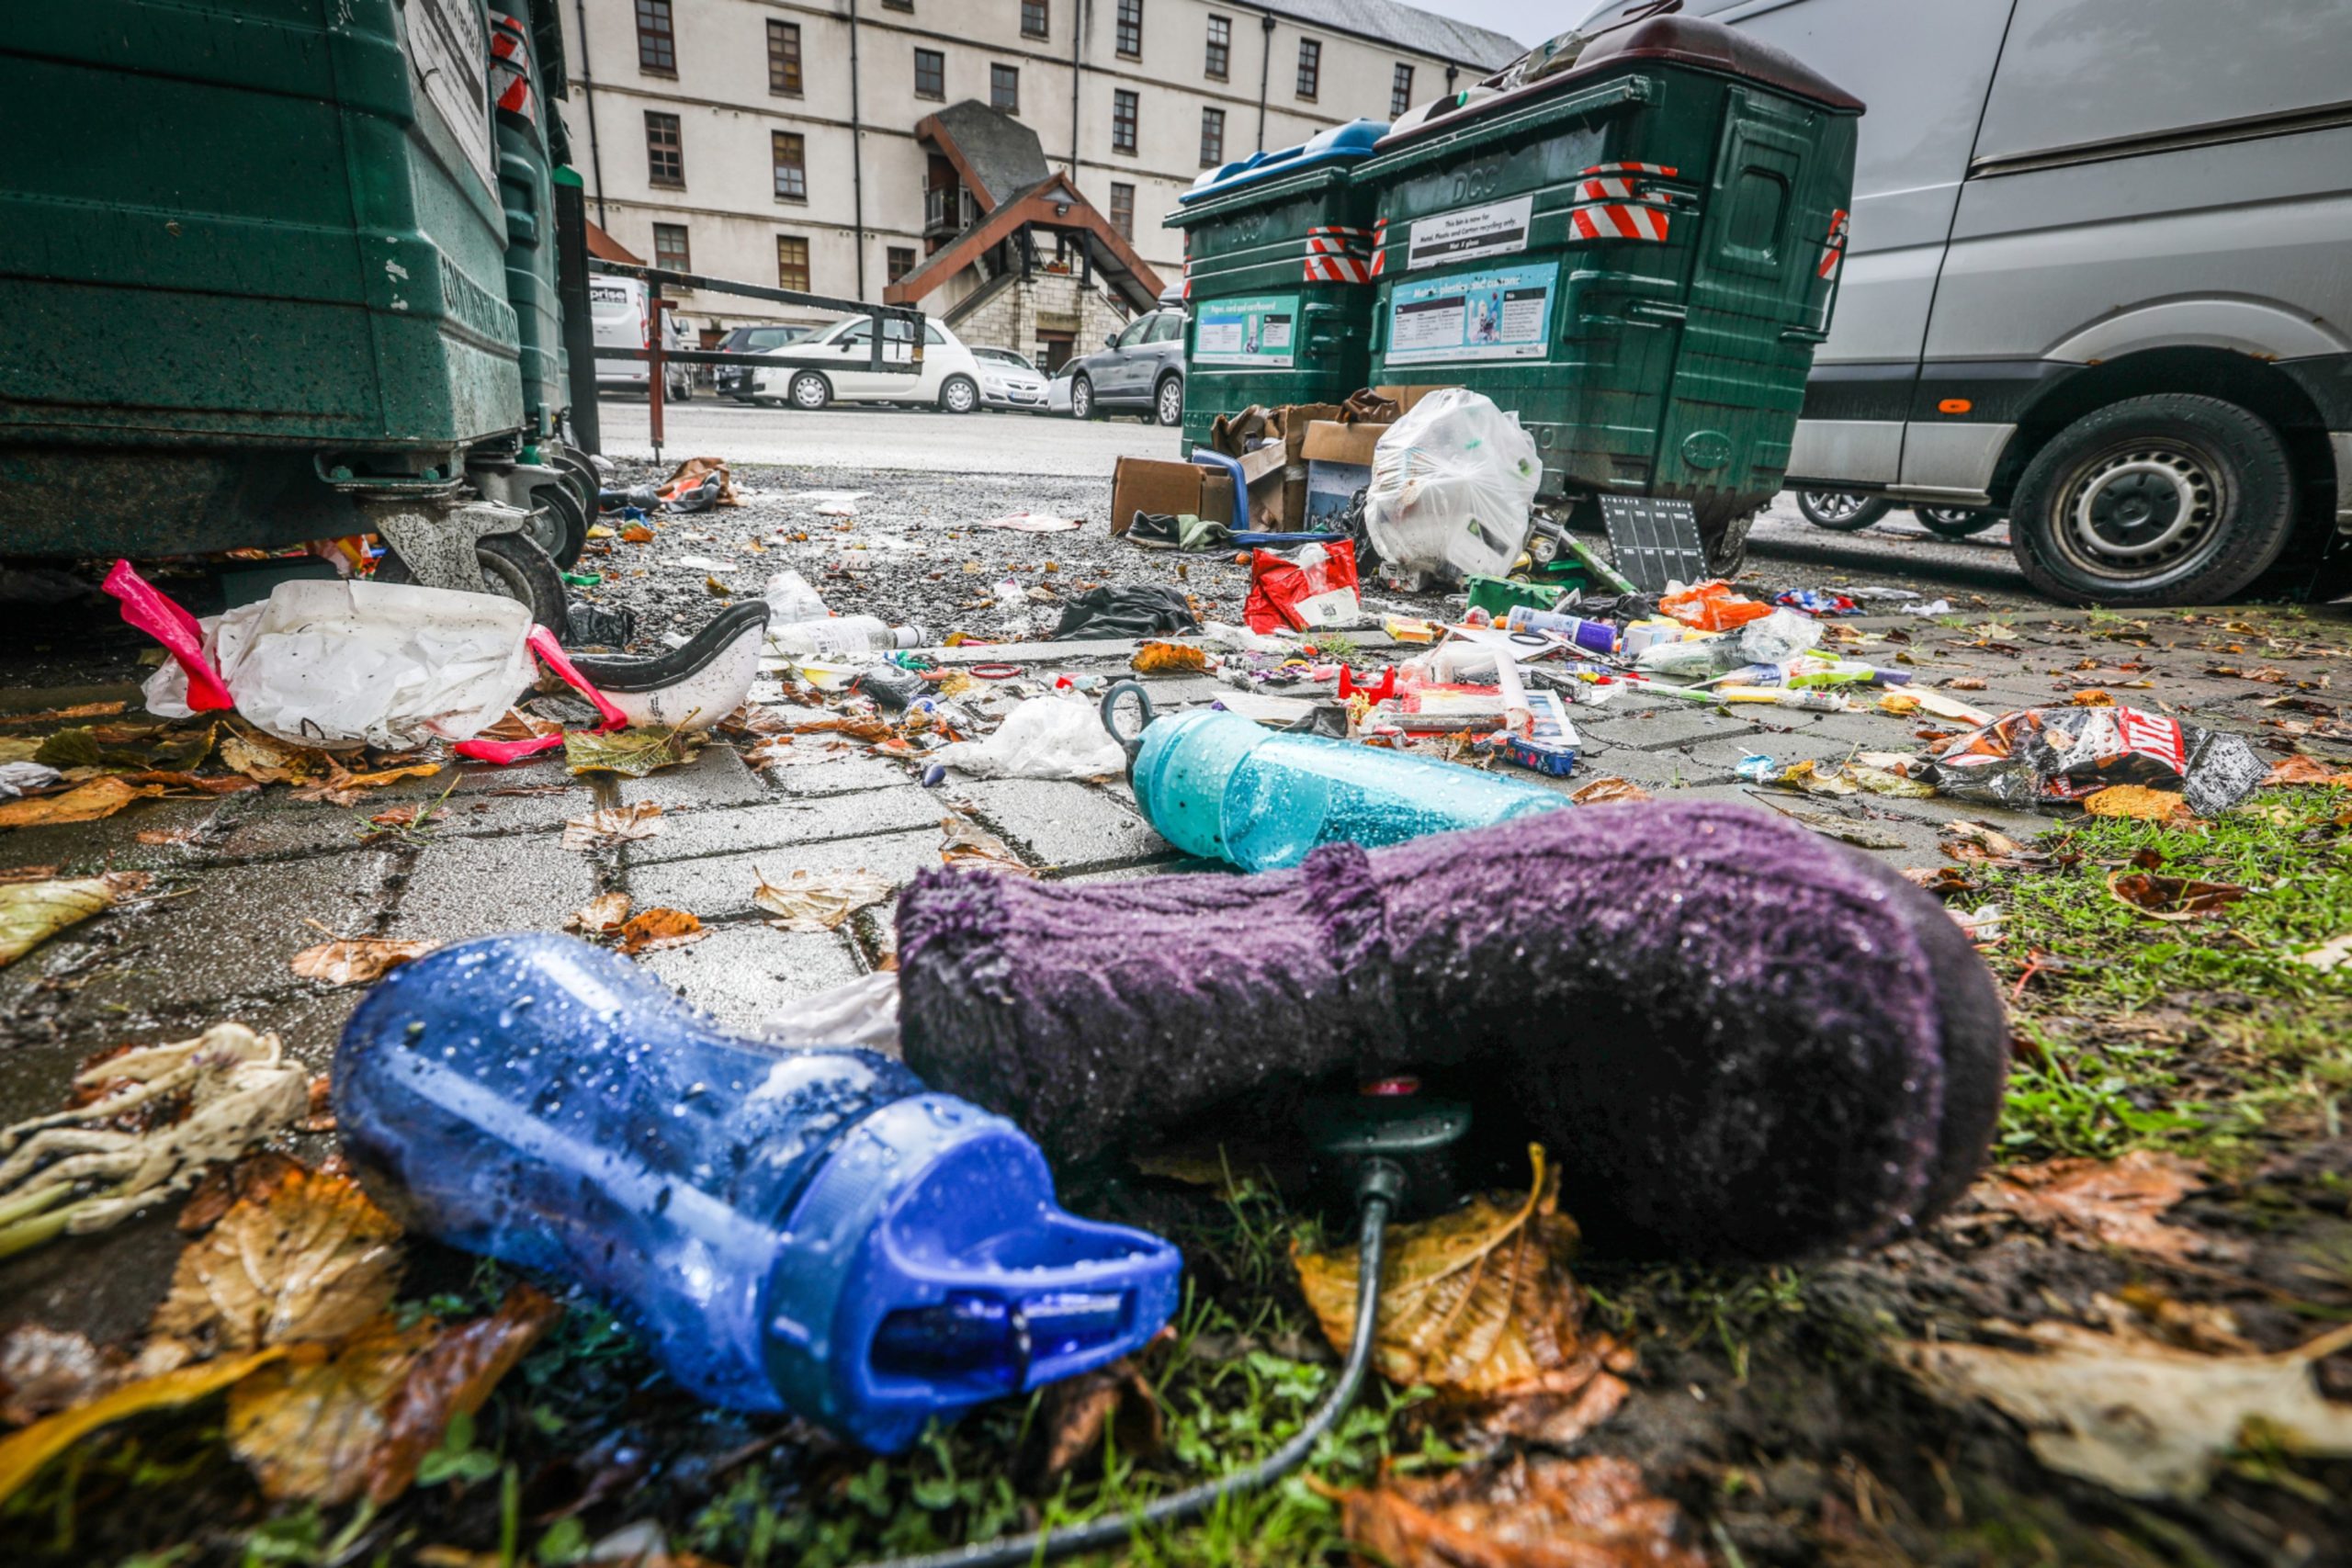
(898, 5)
(783, 58)
(901, 259)
(1033, 18)
(669, 248)
(931, 74)
(792, 262)
(1220, 47)
(1004, 88)
(1123, 121)
(791, 164)
(1122, 212)
(1310, 67)
(665, 156)
(1212, 138)
(1401, 91)
(657, 47)
(1131, 29)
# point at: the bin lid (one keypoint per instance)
(1681, 41)
(1341, 144)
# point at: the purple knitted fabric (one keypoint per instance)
(1739, 1040)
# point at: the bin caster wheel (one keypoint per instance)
(558, 525)
(585, 482)
(1722, 535)
(513, 568)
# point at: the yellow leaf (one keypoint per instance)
(2136, 800)
(32, 913)
(22, 1454)
(1898, 703)
(601, 916)
(1478, 1300)
(1602, 791)
(1167, 658)
(657, 929)
(307, 1426)
(83, 803)
(360, 961)
(820, 901)
(307, 1258)
(970, 847)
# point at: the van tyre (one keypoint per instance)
(959, 395)
(1168, 401)
(810, 392)
(512, 568)
(2164, 499)
(1954, 522)
(1081, 399)
(1840, 511)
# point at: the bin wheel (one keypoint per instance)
(580, 474)
(1081, 399)
(559, 523)
(1840, 511)
(2162, 499)
(512, 567)
(1169, 401)
(1723, 532)
(1955, 522)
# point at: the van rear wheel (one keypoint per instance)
(2164, 499)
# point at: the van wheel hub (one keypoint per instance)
(2136, 506)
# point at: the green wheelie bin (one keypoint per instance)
(255, 271)
(1635, 248)
(1277, 275)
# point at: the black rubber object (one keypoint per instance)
(1809, 503)
(513, 568)
(649, 672)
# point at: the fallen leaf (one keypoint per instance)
(601, 916)
(2172, 898)
(613, 825)
(1531, 1513)
(1845, 829)
(2303, 770)
(404, 816)
(309, 1258)
(970, 847)
(1900, 704)
(820, 901)
(2092, 699)
(637, 534)
(2139, 1417)
(2137, 801)
(22, 1454)
(2334, 953)
(453, 1378)
(600, 531)
(357, 961)
(2111, 1201)
(267, 760)
(658, 929)
(307, 1426)
(632, 753)
(1962, 683)
(32, 913)
(715, 588)
(29, 873)
(1167, 658)
(1077, 1412)
(1478, 1300)
(224, 1185)
(341, 788)
(1976, 841)
(82, 803)
(1603, 791)
(43, 1369)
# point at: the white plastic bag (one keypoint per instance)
(344, 664)
(1452, 485)
(1043, 738)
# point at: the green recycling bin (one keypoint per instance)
(524, 84)
(255, 266)
(1277, 278)
(1636, 253)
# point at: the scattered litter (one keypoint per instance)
(1042, 738)
(820, 901)
(1937, 607)
(839, 636)
(2054, 756)
(1169, 659)
(20, 779)
(1817, 602)
(1142, 611)
(1308, 589)
(1453, 480)
(1714, 606)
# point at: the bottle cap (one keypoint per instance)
(909, 637)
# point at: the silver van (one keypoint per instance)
(2099, 276)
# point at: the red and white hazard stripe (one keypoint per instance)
(1337, 254)
(1664, 171)
(1613, 220)
(1188, 278)
(510, 66)
(1833, 251)
(1379, 246)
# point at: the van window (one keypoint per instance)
(933, 335)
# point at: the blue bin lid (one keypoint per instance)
(1341, 144)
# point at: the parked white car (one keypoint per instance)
(1058, 391)
(617, 305)
(836, 365)
(1008, 381)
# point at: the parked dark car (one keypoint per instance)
(1140, 369)
(734, 381)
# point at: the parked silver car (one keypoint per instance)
(1008, 381)
(1138, 370)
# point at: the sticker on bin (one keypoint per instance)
(510, 66)
(1257, 331)
(1379, 246)
(1833, 250)
(1336, 254)
(1618, 221)
(1502, 313)
(1469, 233)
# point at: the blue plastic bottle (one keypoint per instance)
(1225, 787)
(802, 1230)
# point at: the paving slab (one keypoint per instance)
(281, 828)
(844, 773)
(742, 974)
(1061, 823)
(688, 835)
(1680, 725)
(86, 849)
(721, 886)
(716, 777)
(468, 887)
(1654, 770)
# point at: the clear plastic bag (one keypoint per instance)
(1044, 738)
(1453, 482)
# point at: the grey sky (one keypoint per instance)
(1514, 18)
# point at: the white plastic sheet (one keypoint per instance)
(344, 664)
(1043, 738)
(1453, 484)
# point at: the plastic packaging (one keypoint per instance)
(1778, 638)
(1220, 786)
(1452, 485)
(2050, 756)
(1043, 738)
(362, 663)
(806, 1230)
(1694, 660)
(1594, 636)
(1712, 606)
(837, 636)
(791, 600)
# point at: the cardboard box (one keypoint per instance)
(1339, 464)
(1152, 484)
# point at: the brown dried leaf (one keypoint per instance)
(307, 1426)
(2137, 801)
(307, 1258)
(657, 929)
(970, 847)
(632, 753)
(82, 803)
(2172, 898)
(2303, 770)
(1478, 1300)
(1077, 1411)
(637, 534)
(601, 916)
(357, 961)
(267, 760)
(820, 901)
(2092, 699)
(341, 788)
(1531, 1513)
(1603, 791)
(613, 825)
(224, 1185)
(2111, 1201)
(1167, 658)
(452, 1379)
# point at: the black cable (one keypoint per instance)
(1379, 1189)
